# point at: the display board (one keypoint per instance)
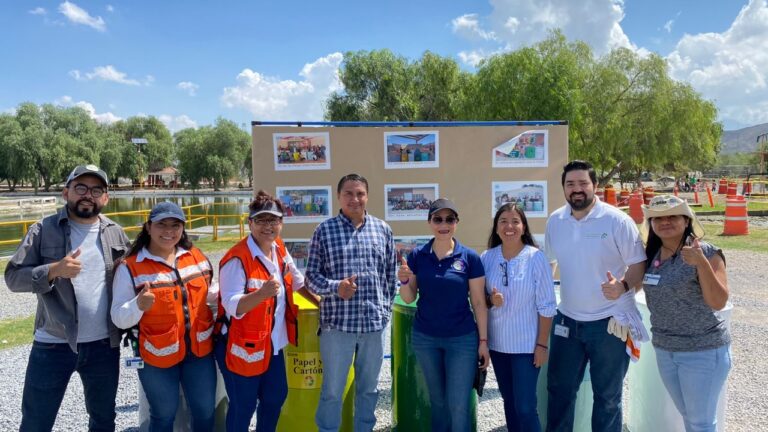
(478, 165)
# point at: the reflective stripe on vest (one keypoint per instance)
(241, 353)
(204, 335)
(161, 352)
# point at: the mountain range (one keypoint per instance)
(742, 140)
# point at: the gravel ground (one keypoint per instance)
(747, 405)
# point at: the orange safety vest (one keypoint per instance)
(249, 339)
(180, 317)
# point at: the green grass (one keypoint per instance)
(18, 331)
(756, 241)
(207, 245)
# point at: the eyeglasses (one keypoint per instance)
(504, 277)
(96, 191)
(450, 220)
(268, 222)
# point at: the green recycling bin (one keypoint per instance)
(410, 394)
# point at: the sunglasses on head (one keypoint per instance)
(450, 220)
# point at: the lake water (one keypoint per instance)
(221, 205)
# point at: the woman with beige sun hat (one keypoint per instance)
(685, 286)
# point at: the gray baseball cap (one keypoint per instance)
(89, 169)
(166, 209)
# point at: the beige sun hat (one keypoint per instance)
(670, 205)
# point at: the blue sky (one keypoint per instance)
(190, 62)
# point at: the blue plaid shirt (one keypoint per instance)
(337, 251)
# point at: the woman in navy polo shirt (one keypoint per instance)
(522, 299)
(447, 337)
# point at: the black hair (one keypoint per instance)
(653, 244)
(579, 165)
(263, 200)
(527, 238)
(143, 239)
(351, 177)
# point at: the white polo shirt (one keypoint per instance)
(604, 240)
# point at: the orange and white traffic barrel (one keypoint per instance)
(736, 221)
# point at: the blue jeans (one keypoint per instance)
(337, 350)
(517, 378)
(197, 376)
(694, 381)
(268, 391)
(587, 341)
(48, 372)
(449, 365)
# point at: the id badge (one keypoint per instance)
(562, 331)
(651, 279)
(133, 363)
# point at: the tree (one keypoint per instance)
(216, 153)
(16, 162)
(157, 153)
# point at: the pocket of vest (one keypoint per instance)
(248, 346)
(161, 344)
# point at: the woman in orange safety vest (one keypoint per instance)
(163, 286)
(258, 278)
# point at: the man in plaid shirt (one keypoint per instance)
(352, 264)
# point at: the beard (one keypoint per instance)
(580, 201)
(84, 213)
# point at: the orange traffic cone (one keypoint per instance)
(736, 221)
(636, 207)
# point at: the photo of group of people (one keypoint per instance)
(529, 149)
(405, 244)
(308, 151)
(299, 250)
(409, 201)
(411, 150)
(530, 196)
(305, 203)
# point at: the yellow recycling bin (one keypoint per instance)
(304, 372)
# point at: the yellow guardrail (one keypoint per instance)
(207, 219)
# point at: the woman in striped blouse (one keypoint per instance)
(521, 298)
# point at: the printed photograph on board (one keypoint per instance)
(304, 151)
(411, 150)
(531, 196)
(408, 201)
(305, 204)
(405, 244)
(529, 149)
(299, 250)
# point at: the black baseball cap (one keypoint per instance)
(440, 204)
(89, 169)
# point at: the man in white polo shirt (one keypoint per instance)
(600, 254)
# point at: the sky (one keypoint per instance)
(190, 62)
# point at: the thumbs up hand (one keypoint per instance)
(404, 273)
(270, 288)
(497, 298)
(612, 287)
(692, 253)
(145, 299)
(69, 266)
(348, 287)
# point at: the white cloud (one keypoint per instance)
(38, 11)
(468, 26)
(110, 8)
(668, 25)
(149, 80)
(730, 67)
(270, 98)
(516, 23)
(472, 58)
(107, 73)
(78, 15)
(189, 87)
(175, 124)
(105, 118)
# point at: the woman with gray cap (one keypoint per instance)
(258, 278)
(163, 287)
(448, 338)
(685, 287)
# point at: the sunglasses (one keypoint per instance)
(504, 276)
(450, 220)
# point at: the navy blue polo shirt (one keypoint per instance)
(443, 308)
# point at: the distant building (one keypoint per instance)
(167, 177)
